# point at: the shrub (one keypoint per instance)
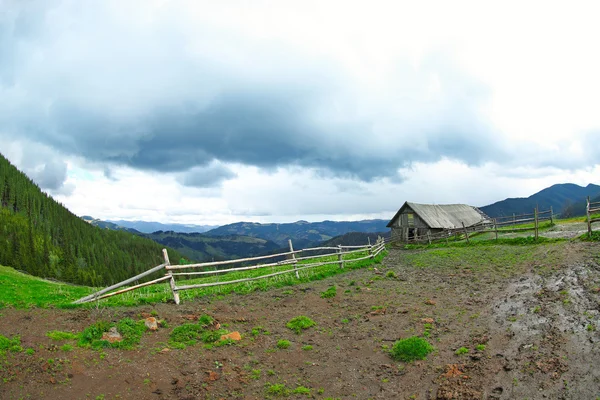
(410, 349)
(283, 344)
(329, 293)
(300, 323)
(461, 351)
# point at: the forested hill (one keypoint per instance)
(302, 233)
(40, 236)
(560, 197)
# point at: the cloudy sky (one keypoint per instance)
(212, 112)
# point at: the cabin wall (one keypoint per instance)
(406, 227)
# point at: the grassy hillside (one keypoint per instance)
(556, 196)
(21, 290)
(40, 236)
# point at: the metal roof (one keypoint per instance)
(444, 216)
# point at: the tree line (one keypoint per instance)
(40, 236)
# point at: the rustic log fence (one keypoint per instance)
(295, 258)
(513, 223)
(590, 209)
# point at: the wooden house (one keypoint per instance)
(414, 219)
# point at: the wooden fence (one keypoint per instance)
(496, 225)
(590, 209)
(300, 260)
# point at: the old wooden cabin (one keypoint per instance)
(417, 220)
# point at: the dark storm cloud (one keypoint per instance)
(208, 176)
(125, 98)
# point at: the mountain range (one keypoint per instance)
(561, 197)
(150, 227)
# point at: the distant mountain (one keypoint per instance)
(149, 227)
(355, 239)
(201, 247)
(106, 224)
(302, 233)
(560, 197)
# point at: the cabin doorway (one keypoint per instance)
(411, 233)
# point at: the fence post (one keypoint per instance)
(172, 280)
(428, 237)
(496, 228)
(466, 233)
(294, 258)
(340, 256)
(449, 233)
(535, 213)
(587, 213)
(551, 216)
(514, 219)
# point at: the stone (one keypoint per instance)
(151, 323)
(233, 336)
(112, 335)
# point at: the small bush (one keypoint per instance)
(300, 323)
(308, 347)
(461, 351)
(283, 344)
(410, 349)
(329, 293)
(480, 347)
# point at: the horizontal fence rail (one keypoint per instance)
(293, 258)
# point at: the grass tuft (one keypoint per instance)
(300, 323)
(410, 349)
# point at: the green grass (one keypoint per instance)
(277, 389)
(411, 349)
(24, 291)
(130, 330)
(504, 260)
(8, 344)
(60, 335)
(329, 293)
(283, 344)
(190, 334)
(595, 237)
(461, 351)
(300, 323)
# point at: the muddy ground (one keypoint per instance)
(535, 309)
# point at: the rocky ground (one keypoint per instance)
(528, 316)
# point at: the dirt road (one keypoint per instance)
(528, 316)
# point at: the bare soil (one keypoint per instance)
(539, 320)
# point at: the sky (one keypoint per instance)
(212, 112)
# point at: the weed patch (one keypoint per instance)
(300, 323)
(329, 293)
(410, 349)
(60, 335)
